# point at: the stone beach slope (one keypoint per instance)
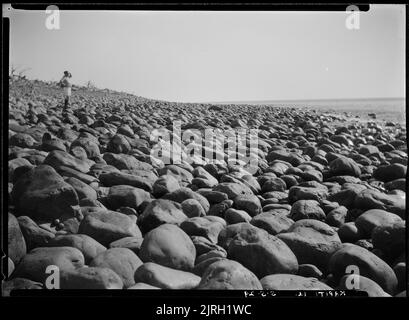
(327, 196)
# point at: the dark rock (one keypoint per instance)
(213, 196)
(347, 195)
(34, 235)
(165, 278)
(292, 282)
(262, 253)
(107, 226)
(113, 178)
(22, 140)
(309, 271)
(401, 275)
(170, 246)
(366, 244)
(182, 194)
(119, 144)
(283, 155)
(399, 184)
(91, 278)
(390, 238)
(365, 284)
(249, 203)
(371, 199)
(306, 193)
(349, 232)
(159, 212)
(88, 246)
(19, 284)
(201, 267)
(210, 254)
(125, 162)
(165, 184)
(390, 172)
(273, 223)
(312, 242)
(18, 166)
(204, 245)
(132, 243)
(86, 178)
(336, 217)
(123, 195)
(233, 189)
(182, 175)
(274, 184)
(89, 145)
(369, 265)
(219, 209)
(344, 166)
(59, 158)
(202, 226)
(42, 193)
(233, 216)
(371, 219)
(34, 264)
(122, 261)
(82, 189)
(306, 209)
(193, 208)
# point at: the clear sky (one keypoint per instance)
(218, 56)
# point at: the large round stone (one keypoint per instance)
(228, 275)
(312, 241)
(34, 264)
(262, 253)
(89, 247)
(42, 193)
(165, 277)
(91, 278)
(292, 282)
(16, 243)
(369, 265)
(159, 212)
(122, 261)
(170, 246)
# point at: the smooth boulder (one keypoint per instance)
(165, 278)
(122, 261)
(43, 193)
(228, 275)
(91, 278)
(170, 246)
(370, 266)
(16, 244)
(312, 242)
(107, 226)
(292, 282)
(262, 253)
(161, 211)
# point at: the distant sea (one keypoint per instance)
(388, 109)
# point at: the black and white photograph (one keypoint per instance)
(261, 152)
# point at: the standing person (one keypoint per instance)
(66, 85)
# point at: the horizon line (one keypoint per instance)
(301, 100)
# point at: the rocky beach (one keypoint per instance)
(321, 196)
